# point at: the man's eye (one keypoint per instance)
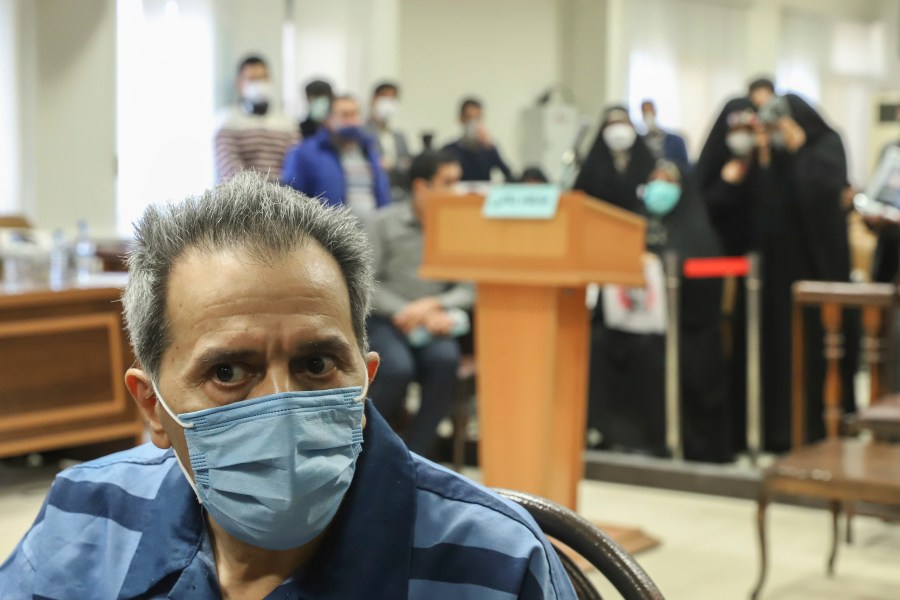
(318, 365)
(228, 373)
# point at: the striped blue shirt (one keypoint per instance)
(129, 526)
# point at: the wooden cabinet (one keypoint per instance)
(63, 355)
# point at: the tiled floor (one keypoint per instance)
(708, 548)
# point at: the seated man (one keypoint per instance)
(340, 163)
(269, 476)
(405, 307)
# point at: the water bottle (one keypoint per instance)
(15, 270)
(420, 336)
(85, 254)
(59, 260)
(18, 262)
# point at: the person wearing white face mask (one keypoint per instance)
(618, 162)
(730, 184)
(391, 143)
(252, 134)
(780, 196)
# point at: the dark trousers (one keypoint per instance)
(433, 366)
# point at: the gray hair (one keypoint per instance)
(247, 213)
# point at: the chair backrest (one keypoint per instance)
(876, 302)
(579, 534)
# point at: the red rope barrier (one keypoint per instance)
(724, 266)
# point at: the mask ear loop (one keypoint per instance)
(184, 425)
(165, 406)
(365, 390)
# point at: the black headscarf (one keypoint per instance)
(715, 151)
(817, 177)
(808, 118)
(598, 176)
(732, 209)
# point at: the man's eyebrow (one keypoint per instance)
(217, 355)
(333, 343)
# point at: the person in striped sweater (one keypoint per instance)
(253, 135)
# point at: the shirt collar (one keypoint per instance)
(365, 554)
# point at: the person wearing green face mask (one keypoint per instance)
(627, 391)
(319, 95)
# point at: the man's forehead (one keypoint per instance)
(255, 71)
(345, 104)
(202, 277)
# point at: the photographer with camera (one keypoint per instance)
(786, 188)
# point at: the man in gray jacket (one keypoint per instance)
(413, 320)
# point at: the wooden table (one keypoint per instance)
(63, 355)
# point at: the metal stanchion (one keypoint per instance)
(673, 383)
(754, 406)
(748, 267)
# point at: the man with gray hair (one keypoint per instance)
(268, 475)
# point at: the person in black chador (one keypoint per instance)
(618, 162)
(787, 192)
(729, 180)
(627, 383)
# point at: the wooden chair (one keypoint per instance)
(588, 541)
(842, 471)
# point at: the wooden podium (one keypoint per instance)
(532, 337)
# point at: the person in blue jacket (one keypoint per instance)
(340, 164)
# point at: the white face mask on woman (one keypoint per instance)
(740, 143)
(619, 136)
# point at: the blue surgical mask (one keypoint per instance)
(660, 197)
(350, 133)
(272, 471)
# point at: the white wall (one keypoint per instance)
(505, 52)
(582, 58)
(890, 15)
(350, 43)
(10, 135)
(68, 104)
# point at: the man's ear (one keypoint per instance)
(372, 362)
(138, 383)
(417, 186)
